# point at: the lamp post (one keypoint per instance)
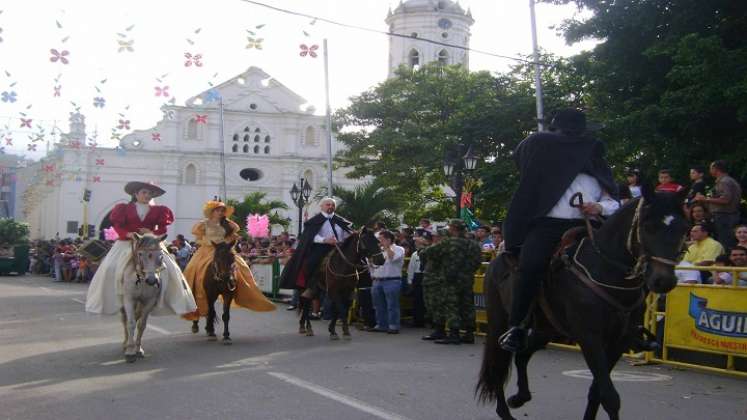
(457, 169)
(300, 196)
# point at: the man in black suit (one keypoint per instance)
(321, 233)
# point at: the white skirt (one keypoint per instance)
(105, 291)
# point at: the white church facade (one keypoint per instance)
(271, 139)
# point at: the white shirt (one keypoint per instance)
(592, 192)
(414, 266)
(142, 210)
(392, 266)
(326, 231)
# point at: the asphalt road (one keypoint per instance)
(56, 362)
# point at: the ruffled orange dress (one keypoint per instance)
(247, 294)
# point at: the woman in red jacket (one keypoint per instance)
(138, 216)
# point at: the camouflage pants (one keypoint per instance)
(450, 302)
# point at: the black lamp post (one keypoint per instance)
(300, 196)
(457, 169)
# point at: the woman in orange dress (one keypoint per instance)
(214, 229)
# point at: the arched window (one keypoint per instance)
(257, 130)
(267, 150)
(246, 129)
(443, 57)
(246, 148)
(190, 174)
(192, 129)
(256, 149)
(235, 137)
(235, 148)
(246, 138)
(256, 139)
(310, 137)
(414, 59)
(267, 139)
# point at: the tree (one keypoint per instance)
(255, 203)
(368, 203)
(13, 233)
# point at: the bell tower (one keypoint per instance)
(435, 20)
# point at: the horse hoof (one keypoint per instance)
(334, 337)
(130, 358)
(516, 401)
(195, 329)
(140, 354)
(227, 341)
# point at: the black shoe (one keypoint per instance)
(452, 338)
(314, 316)
(514, 340)
(437, 334)
(468, 338)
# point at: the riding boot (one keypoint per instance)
(514, 340)
(437, 334)
(468, 337)
(452, 338)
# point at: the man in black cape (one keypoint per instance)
(319, 237)
(553, 166)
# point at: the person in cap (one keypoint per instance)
(139, 216)
(217, 228)
(415, 268)
(553, 166)
(448, 285)
(320, 235)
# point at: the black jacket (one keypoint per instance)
(548, 163)
(296, 265)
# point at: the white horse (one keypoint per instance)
(141, 290)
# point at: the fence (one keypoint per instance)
(699, 326)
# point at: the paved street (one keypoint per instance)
(58, 363)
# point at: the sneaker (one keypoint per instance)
(314, 316)
(291, 308)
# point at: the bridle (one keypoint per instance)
(140, 272)
(357, 269)
(229, 280)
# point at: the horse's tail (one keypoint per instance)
(496, 362)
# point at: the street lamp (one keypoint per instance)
(300, 196)
(457, 169)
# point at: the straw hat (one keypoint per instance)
(211, 205)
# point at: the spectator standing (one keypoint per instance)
(425, 224)
(634, 182)
(698, 186)
(724, 204)
(183, 252)
(666, 182)
(482, 234)
(387, 284)
(737, 258)
(415, 277)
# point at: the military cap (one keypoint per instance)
(458, 223)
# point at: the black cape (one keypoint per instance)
(290, 275)
(548, 163)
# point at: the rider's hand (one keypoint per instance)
(330, 241)
(143, 231)
(591, 209)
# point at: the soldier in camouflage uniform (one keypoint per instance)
(451, 298)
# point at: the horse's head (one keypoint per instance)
(149, 256)
(223, 260)
(661, 229)
(369, 246)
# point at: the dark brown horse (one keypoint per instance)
(219, 281)
(590, 297)
(338, 274)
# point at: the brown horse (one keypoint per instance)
(590, 297)
(219, 281)
(339, 272)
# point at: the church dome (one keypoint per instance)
(429, 6)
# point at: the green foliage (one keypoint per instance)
(255, 203)
(13, 233)
(368, 203)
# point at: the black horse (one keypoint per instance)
(338, 274)
(219, 281)
(590, 296)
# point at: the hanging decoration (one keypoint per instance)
(258, 226)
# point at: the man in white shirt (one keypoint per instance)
(415, 277)
(387, 284)
(553, 167)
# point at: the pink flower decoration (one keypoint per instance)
(59, 55)
(156, 136)
(110, 234)
(99, 162)
(26, 122)
(96, 179)
(162, 91)
(309, 50)
(258, 226)
(201, 119)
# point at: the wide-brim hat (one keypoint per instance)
(211, 205)
(573, 121)
(133, 187)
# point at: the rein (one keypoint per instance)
(139, 271)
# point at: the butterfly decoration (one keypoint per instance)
(255, 43)
(99, 162)
(125, 45)
(212, 95)
(96, 179)
(193, 59)
(124, 124)
(169, 114)
(115, 135)
(48, 168)
(9, 97)
(75, 144)
(155, 136)
(31, 147)
(60, 56)
(8, 141)
(201, 119)
(99, 102)
(162, 91)
(57, 91)
(309, 50)
(26, 122)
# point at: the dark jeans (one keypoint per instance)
(418, 302)
(540, 243)
(365, 303)
(724, 224)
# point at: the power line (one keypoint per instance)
(363, 28)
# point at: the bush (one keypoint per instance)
(13, 233)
